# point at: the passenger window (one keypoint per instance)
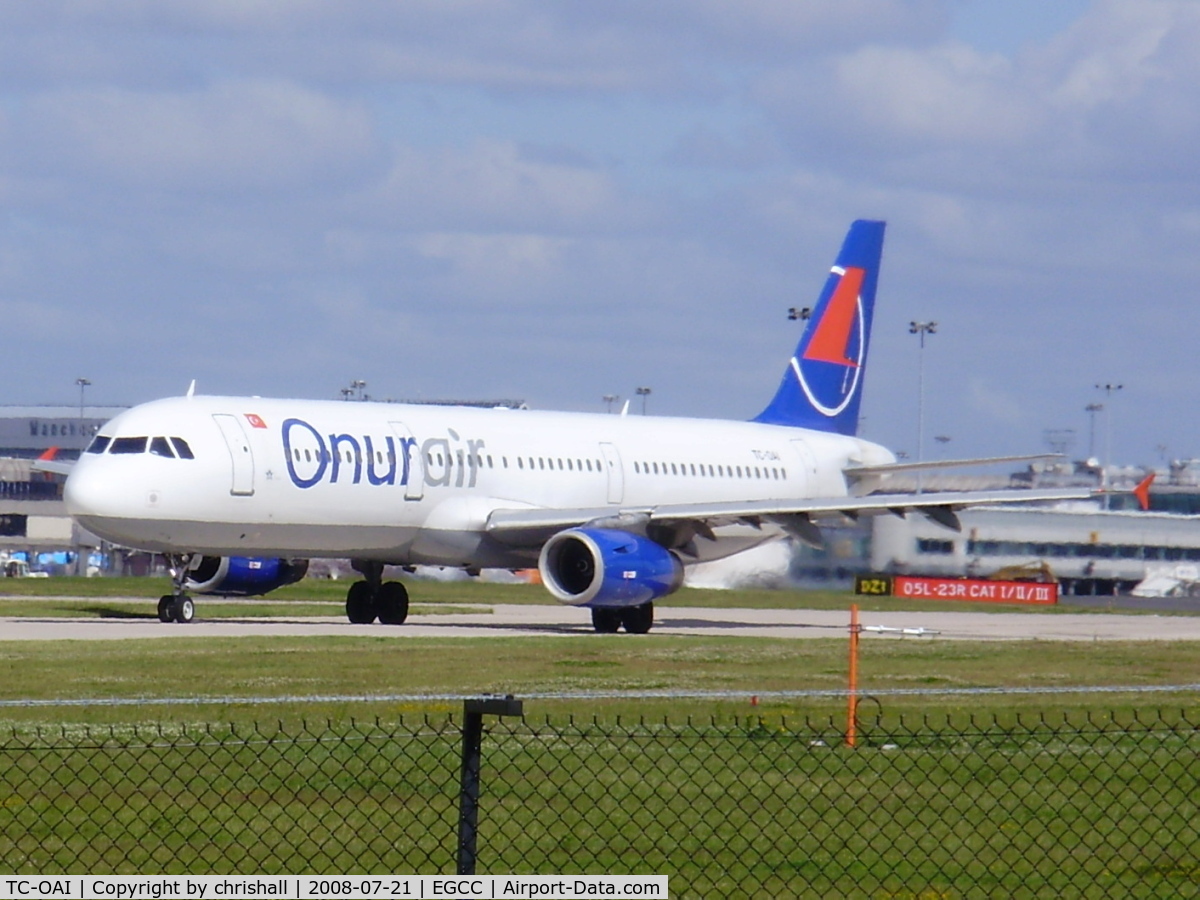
(160, 447)
(99, 443)
(128, 445)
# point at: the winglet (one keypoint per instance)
(191, 389)
(48, 454)
(1142, 491)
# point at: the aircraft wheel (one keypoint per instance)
(360, 603)
(638, 619)
(606, 620)
(392, 602)
(183, 610)
(164, 608)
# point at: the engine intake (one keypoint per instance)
(606, 567)
(246, 576)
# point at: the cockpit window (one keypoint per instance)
(99, 443)
(128, 445)
(160, 447)
(182, 448)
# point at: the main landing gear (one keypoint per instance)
(177, 606)
(376, 598)
(636, 619)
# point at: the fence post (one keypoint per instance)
(852, 694)
(474, 710)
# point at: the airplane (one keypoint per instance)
(240, 492)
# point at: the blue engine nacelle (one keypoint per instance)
(607, 567)
(246, 576)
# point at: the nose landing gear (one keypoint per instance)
(177, 606)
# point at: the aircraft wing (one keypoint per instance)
(49, 462)
(57, 466)
(934, 465)
(522, 526)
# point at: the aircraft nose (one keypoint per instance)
(86, 492)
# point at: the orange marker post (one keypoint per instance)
(852, 706)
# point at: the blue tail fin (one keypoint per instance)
(822, 385)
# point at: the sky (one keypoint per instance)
(558, 201)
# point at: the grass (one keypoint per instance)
(947, 796)
(272, 667)
(253, 667)
(745, 808)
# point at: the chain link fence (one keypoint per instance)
(1078, 806)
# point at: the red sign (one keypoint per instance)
(255, 420)
(915, 587)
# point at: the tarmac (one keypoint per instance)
(504, 620)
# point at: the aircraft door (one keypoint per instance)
(616, 475)
(808, 464)
(409, 460)
(241, 458)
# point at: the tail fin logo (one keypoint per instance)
(828, 365)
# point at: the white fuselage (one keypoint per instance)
(408, 484)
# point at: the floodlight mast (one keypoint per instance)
(921, 329)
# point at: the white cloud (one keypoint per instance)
(233, 135)
(493, 185)
(939, 95)
(999, 406)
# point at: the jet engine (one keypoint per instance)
(243, 575)
(605, 567)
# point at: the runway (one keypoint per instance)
(504, 620)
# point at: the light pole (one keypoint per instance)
(609, 400)
(921, 329)
(643, 392)
(358, 384)
(1091, 409)
(83, 384)
(1109, 390)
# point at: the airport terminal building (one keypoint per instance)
(1090, 547)
(34, 525)
(27, 432)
